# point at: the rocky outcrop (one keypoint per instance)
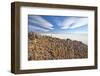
(49, 48)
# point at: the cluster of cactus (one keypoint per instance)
(50, 48)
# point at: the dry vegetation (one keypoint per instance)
(49, 48)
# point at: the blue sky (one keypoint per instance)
(57, 24)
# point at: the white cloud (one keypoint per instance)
(80, 22)
(37, 28)
(74, 22)
(67, 23)
(41, 22)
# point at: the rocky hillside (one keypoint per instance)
(49, 48)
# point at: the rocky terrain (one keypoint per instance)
(50, 48)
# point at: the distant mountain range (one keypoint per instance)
(50, 48)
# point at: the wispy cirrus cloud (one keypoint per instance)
(74, 22)
(40, 22)
(35, 28)
(67, 23)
